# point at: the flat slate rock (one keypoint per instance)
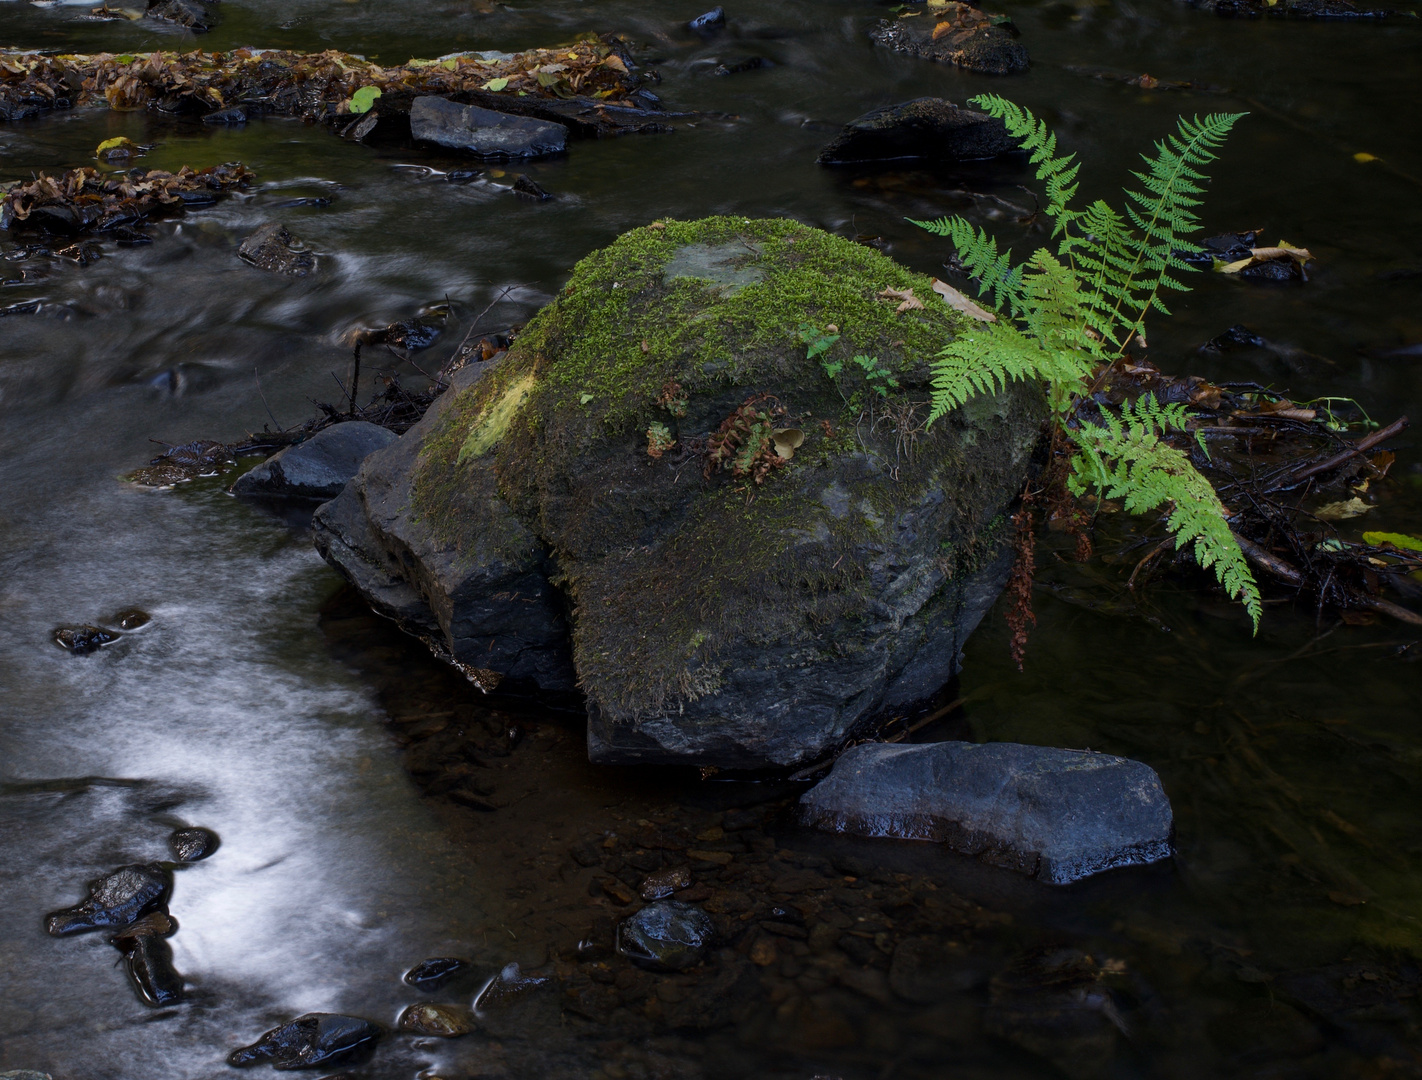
(483, 131)
(319, 467)
(926, 127)
(1057, 815)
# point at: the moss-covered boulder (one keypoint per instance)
(713, 440)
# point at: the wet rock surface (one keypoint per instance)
(80, 640)
(132, 619)
(198, 16)
(1058, 815)
(491, 607)
(433, 973)
(148, 959)
(484, 132)
(666, 936)
(115, 900)
(318, 468)
(957, 34)
(309, 1040)
(442, 1021)
(273, 249)
(510, 984)
(193, 843)
(927, 128)
(631, 496)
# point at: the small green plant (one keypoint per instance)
(1068, 315)
(878, 379)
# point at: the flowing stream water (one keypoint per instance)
(255, 702)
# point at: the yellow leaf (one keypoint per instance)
(614, 62)
(958, 302)
(1363, 159)
(1342, 511)
(1284, 248)
(496, 84)
(115, 148)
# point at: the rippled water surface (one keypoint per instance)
(256, 702)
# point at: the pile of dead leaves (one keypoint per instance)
(315, 86)
(85, 199)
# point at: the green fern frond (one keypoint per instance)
(1163, 213)
(978, 253)
(1034, 136)
(1124, 458)
(984, 362)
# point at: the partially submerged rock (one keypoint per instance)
(433, 973)
(923, 128)
(192, 843)
(484, 132)
(148, 959)
(442, 1021)
(758, 556)
(273, 249)
(509, 984)
(307, 1041)
(666, 936)
(317, 468)
(80, 640)
(958, 34)
(115, 900)
(1058, 815)
(198, 16)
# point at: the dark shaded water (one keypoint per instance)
(1293, 759)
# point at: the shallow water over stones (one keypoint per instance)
(1281, 939)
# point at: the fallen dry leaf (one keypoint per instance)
(908, 302)
(958, 302)
(1342, 511)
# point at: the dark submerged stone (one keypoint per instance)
(484, 132)
(923, 128)
(528, 188)
(115, 900)
(307, 1041)
(666, 936)
(273, 249)
(193, 843)
(132, 619)
(433, 973)
(83, 639)
(972, 40)
(196, 15)
(148, 959)
(1058, 815)
(318, 468)
(707, 21)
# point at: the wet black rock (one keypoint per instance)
(115, 900)
(318, 468)
(926, 127)
(1237, 336)
(231, 116)
(192, 843)
(708, 21)
(433, 973)
(1058, 815)
(491, 606)
(132, 619)
(83, 639)
(734, 66)
(307, 1041)
(1292, 9)
(505, 987)
(148, 959)
(666, 936)
(196, 15)
(528, 188)
(442, 1021)
(484, 132)
(972, 39)
(273, 249)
